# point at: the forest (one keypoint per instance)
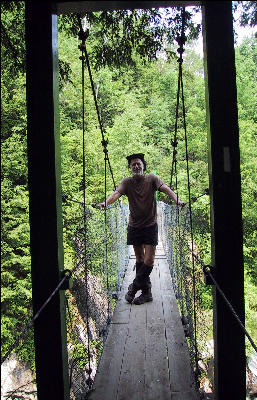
(136, 93)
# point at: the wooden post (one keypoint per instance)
(225, 192)
(45, 200)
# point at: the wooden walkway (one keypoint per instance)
(145, 356)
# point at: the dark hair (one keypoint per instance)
(137, 155)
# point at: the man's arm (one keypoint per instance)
(167, 190)
(111, 199)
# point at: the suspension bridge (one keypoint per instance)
(55, 368)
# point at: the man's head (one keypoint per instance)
(136, 163)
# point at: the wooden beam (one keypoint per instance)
(45, 200)
(225, 192)
(65, 7)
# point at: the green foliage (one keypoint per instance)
(137, 104)
(248, 12)
(246, 62)
(118, 35)
(250, 311)
(16, 280)
(79, 353)
(13, 37)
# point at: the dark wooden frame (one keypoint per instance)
(45, 200)
(225, 194)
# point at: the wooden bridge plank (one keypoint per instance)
(108, 373)
(107, 376)
(184, 395)
(146, 356)
(181, 378)
(157, 384)
(131, 382)
(179, 361)
(122, 309)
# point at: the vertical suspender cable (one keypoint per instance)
(104, 142)
(82, 37)
(106, 159)
(180, 91)
(174, 143)
(106, 236)
(191, 230)
(183, 39)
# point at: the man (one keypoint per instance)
(142, 228)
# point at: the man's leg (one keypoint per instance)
(144, 274)
(139, 253)
(135, 285)
(149, 255)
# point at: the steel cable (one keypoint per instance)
(207, 271)
(83, 36)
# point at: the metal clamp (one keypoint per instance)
(209, 272)
(68, 282)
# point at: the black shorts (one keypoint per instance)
(147, 235)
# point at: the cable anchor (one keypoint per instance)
(209, 272)
(104, 143)
(174, 142)
(68, 282)
(105, 150)
(82, 35)
(181, 40)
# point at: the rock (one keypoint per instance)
(17, 377)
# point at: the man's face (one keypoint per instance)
(136, 166)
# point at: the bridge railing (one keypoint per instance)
(101, 258)
(193, 296)
(95, 258)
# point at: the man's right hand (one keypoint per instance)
(100, 205)
(111, 199)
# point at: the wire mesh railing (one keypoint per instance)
(89, 302)
(174, 227)
(106, 255)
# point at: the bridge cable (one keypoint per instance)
(207, 271)
(67, 275)
(191, 220)
(180, 92)
(173, 173)
(83, 35)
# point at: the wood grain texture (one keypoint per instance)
(146, 355)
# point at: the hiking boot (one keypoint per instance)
(135, 286)
(145, 297)
(130, 295)
(141, 281)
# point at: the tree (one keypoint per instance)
(248, 12)
(116, 34)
